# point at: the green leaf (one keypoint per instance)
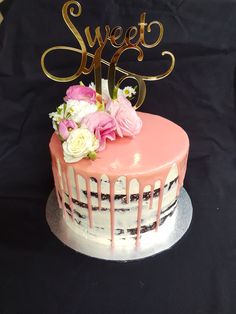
(100, 106)
(59, 110)
(115, 92)
(64, 108)
(92, 155)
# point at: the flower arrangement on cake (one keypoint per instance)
(86, 119)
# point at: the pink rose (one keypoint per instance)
(102, 125)
(78, 92)
(64, 128)
(128, 123)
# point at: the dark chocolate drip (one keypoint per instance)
(133, 231)
(172, 182)
(123, 209)
(79, 215)
(148, 228)
(104, 197)
(147, 195)
(100, 228)
(152, 226)
(169, 207)
(95, 208)
(163, 219)
(119, 231)
(59, 196)
(77, 221)
(93, 179)
(67, 206)
(122, 197)
(81, 204)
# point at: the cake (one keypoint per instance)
(128, 195)
(118, 173)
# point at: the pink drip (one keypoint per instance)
(139, 217)
(56, 185)
(178, 188)
(70, 193)
(89, 202)
(182, 166)
(127, 191)
(61, 187)
(64, 183)
(179, 180)
(99, 190)
(151, 196)
(77, 186)
(65, 189)
(112, 211)
(160, 203)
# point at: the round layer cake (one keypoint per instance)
(129, 194)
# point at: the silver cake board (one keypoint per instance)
(88, 247)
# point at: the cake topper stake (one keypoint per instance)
(74, 9)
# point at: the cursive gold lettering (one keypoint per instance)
(133, 38)
(76, 33)
(98, 37)
(112, 72)
(143, 25)
(129, 36)
(116, 33)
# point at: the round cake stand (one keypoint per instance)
(85, 246)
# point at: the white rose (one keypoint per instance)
(79, 143)
(76, 110)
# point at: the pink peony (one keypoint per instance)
(128, 123)
(102, 125)
(64, 128)
(78, 92)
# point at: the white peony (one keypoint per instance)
(79, 144)
(76, 110)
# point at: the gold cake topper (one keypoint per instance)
(133, 38)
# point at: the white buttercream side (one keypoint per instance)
(125, 210)
(127, 242)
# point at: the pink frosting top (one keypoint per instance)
(159, 144)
